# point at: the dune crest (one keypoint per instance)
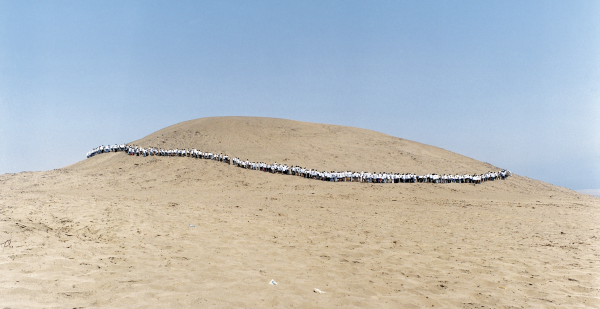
(319, 146)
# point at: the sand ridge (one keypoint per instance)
(114, 231)
(312, 145)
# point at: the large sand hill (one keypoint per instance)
(122, 231)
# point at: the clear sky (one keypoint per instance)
(512, 83)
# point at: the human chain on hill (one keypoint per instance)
(303, 172)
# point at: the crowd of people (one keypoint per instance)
(348, 176)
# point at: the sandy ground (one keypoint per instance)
(122, 231)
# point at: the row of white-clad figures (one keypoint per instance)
(348, 176)
(384, 177)
(153, 151)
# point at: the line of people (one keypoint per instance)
(284, 169)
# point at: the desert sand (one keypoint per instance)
(169, 232)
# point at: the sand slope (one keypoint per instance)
(311, 145)
(114, 230)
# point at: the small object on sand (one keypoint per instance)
(191, 225)
(318, 291)
(273, 282)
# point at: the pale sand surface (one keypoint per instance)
(114, 230)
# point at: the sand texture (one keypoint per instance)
(168, 232)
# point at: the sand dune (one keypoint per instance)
(122, 231)
(312, 145)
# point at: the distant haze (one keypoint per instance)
(512, 83)
(592, 192)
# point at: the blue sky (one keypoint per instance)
(512, 83)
